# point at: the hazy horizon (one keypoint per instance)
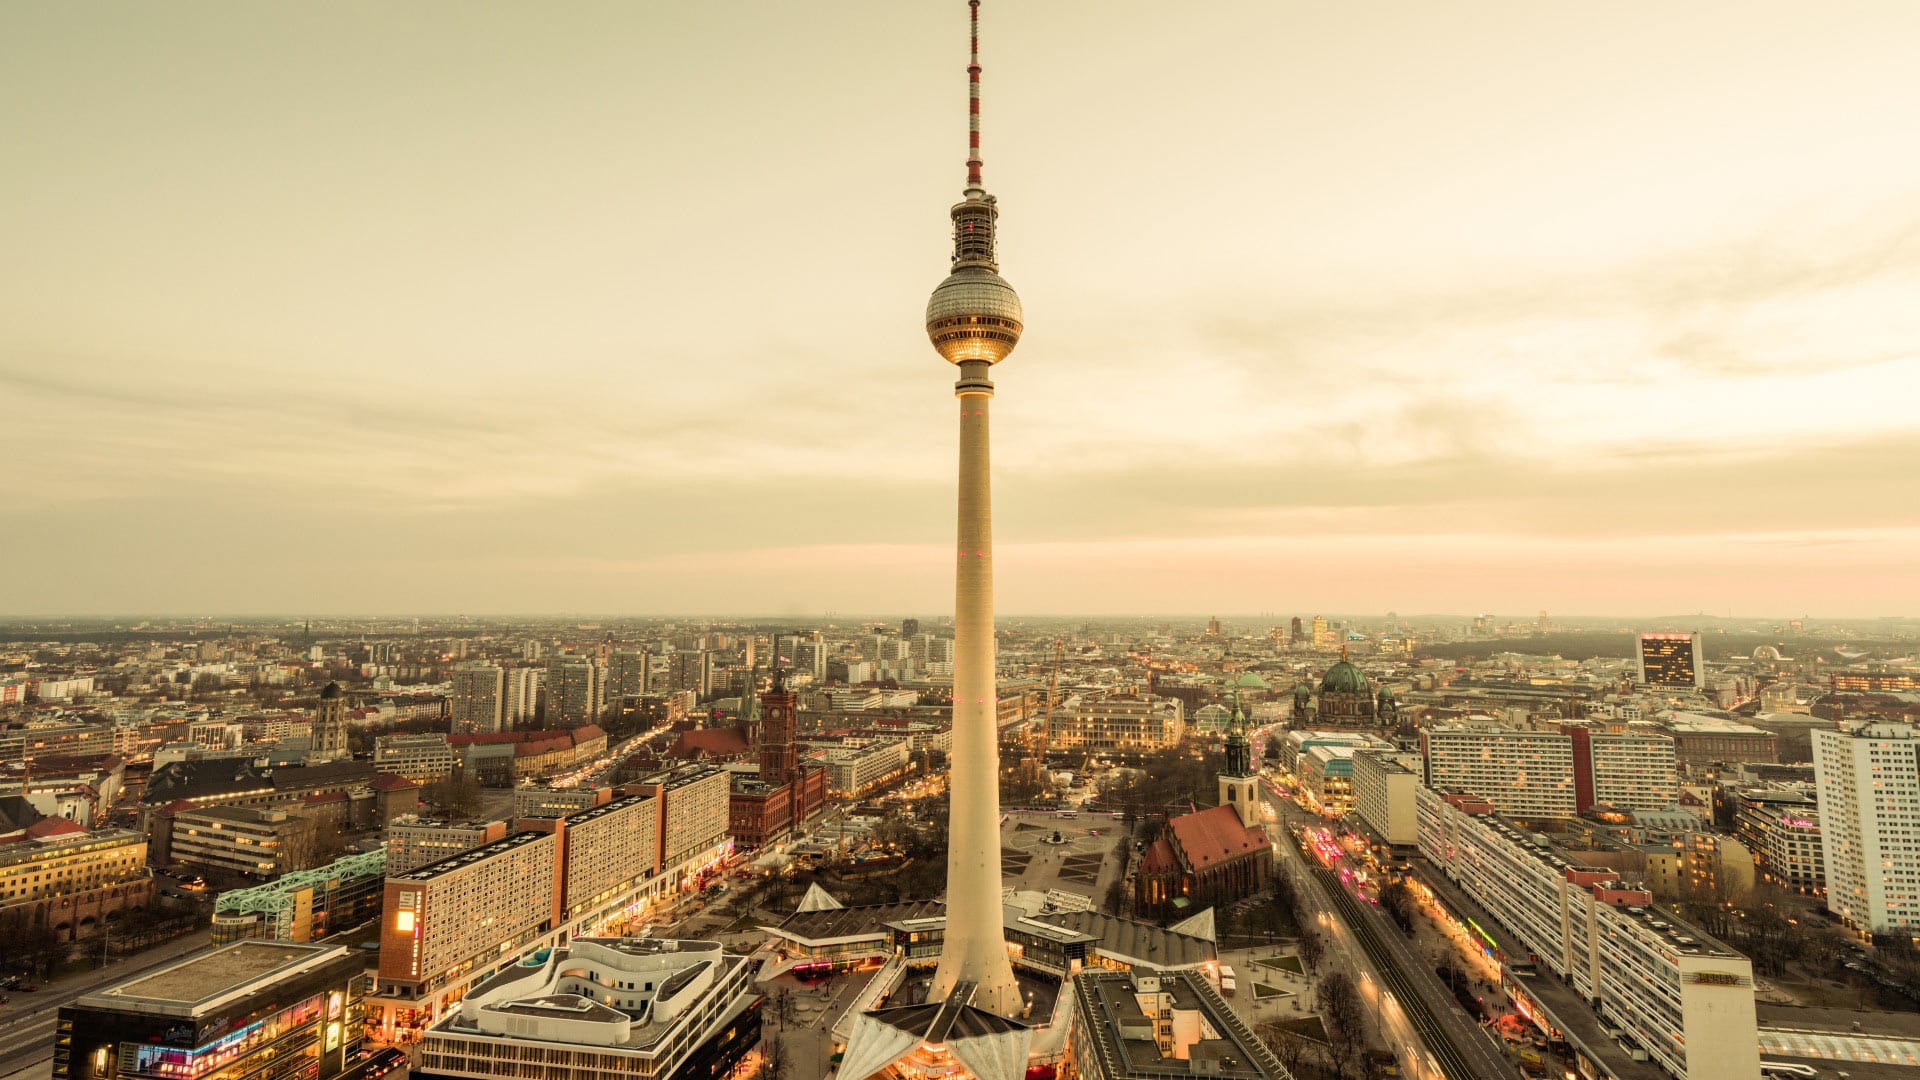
(451, 307)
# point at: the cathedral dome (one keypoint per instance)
(1343, 678)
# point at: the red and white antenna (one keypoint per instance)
(973, 98)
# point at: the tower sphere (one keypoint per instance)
(974, 315)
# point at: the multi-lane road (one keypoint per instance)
(26, 1024)
(1455, 1045)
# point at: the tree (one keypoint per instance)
(1397, 901)
(1295, 1050)
(458, 794)
(1313, 949)
(1344, 1015)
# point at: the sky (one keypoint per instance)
(616, 308)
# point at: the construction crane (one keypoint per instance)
(1039, 738)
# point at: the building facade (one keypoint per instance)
(666, 1010)
(1869, 782)
(479, 698)
(1667, 986)
(253, 1008)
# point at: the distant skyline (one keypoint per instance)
(367, 309)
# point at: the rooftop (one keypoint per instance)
(194, 983)
(1122, 1033)
(468, 858)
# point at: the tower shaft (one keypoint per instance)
(975, 949)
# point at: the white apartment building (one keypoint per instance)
(1868, 778)
(1522, 773)
(1633, 771)
(1383, 790)
(522, 694)
(1666, 985)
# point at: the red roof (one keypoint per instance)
(392, 782)
(53, 826)
(713, 742)
(1215, 835)
(328, 797)
(1159, 858)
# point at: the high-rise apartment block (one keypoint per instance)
(524, 686)
(627, 673)
(1523, 773)
(691, 669)
(1626, 770)
(1671, 661)
(479, 697)
(573, 692)
(1552, 773)
(1868, 777)
(449, 924)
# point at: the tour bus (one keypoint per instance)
(1226, 981)
(1788, 1068)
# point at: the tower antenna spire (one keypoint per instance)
(973, 97)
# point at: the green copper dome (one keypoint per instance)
(1343, 678)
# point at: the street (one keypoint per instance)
(26, 1022)
(1454, 1043)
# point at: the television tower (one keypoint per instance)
(973, 320)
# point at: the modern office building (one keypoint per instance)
(253, 841)
(1671, 661)
(1868, 777)
(539, 800)
(479, 697)
(1152, 1025)
(305, 905)
(1781, 826)
(1668, 987)
(600, 1007)
(855, 770)
(251, 1009)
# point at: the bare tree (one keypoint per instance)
(1295, 1050)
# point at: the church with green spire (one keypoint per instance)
(1239, 785)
